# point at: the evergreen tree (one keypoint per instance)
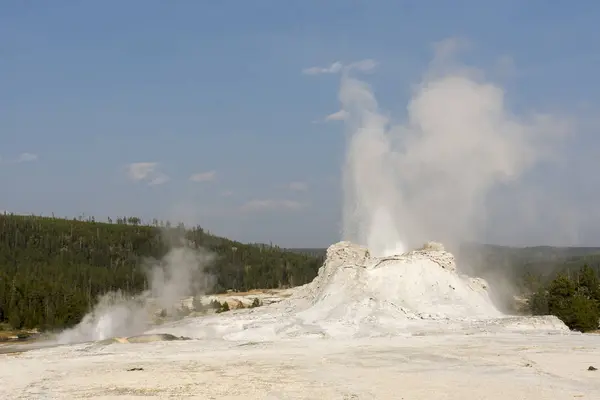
(575, 301)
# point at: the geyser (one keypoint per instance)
(428, 178)
(425, 179)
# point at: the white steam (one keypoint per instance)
(179, 274)
(428, 178)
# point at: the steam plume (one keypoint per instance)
(179, 274)
(428, 178)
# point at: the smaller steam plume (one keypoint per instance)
(180, 273)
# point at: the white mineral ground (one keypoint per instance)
(398, 327)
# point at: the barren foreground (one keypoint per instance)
(492, 366)
(401, 327)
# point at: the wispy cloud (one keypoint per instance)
(362, 65)
(27, 157)
(298, 186)
(271, 204)
(146, 172)
(332, 69)
(337, 116)
(140, 171)
(21, 158)
(227, 193)
(365, 65)
(159, 179)
(204, 176)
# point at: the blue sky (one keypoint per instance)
(211, 96)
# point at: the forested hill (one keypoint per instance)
(52, 270)
(527, 264)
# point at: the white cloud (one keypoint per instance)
(140, 171)
(159, 179)
(27, 157)
(340, 115)
(332, 69)
(227, 193)
(204, 176)
(298, 186)
(23, 157)
(271, 204)
(337, 116)
(362, 65)
(147, 172)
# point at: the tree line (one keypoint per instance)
(572, 297)
(52, 270)
(560, 281)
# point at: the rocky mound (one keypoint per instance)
(354, 287)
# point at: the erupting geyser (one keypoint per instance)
(425, 179)
(429, 177)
